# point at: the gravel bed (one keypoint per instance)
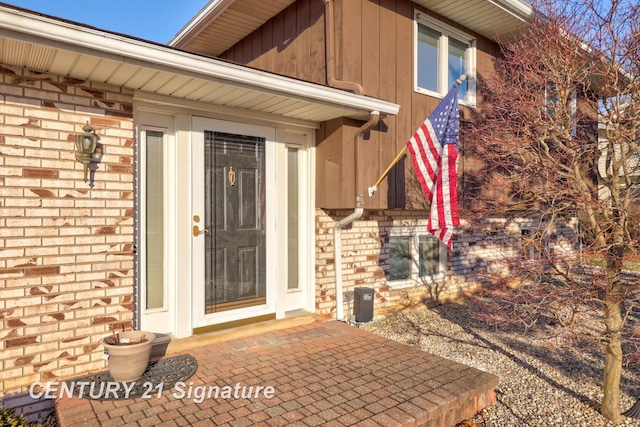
(540, 384)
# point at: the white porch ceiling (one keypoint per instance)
(50, 45)
(223, 23)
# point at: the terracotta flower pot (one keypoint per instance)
(128, 361)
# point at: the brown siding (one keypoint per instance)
(291, 43)
(374, 47)
(334, 152)
(388, 73)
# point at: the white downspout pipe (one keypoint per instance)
(337, 250)
(355, 215)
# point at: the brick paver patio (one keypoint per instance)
(326, 374)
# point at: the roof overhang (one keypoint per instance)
(47, 44)
(489, 18)
(223, 23)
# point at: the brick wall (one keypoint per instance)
(477, 252)
(66, 260)
(365, 261)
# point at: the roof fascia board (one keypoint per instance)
(153, 56)
(516, 8)
(231, 113)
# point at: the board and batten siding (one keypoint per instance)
(374, 47)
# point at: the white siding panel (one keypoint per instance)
(123, 74)
(140, 78)
(303, 110)
(269, 103)
(104, 71)
(26, 54)
(62, 63)
(230, 95)
(190, 88)
(85, 67)
(157, 82)
(255, 100)
(241, 101)
(215, 94)
(174, 84)
(285, 107)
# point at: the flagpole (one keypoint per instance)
(374, 187)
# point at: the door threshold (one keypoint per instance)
(233, 324)
(296, 313)
(232, 333)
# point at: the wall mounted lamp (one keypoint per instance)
(87, 148)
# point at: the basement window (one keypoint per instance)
(415, 257)
(533, 245)
(399, 258)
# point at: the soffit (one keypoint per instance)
(49, 45)
(222, 23)
(490, 18)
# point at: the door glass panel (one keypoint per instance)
(293, 225)
(235, 217)
(154, 220)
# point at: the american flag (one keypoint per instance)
(434, 149)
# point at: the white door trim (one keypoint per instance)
(182, 125)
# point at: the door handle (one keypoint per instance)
(197, 231)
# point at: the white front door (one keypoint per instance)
(234, 239)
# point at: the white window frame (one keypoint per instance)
(531, 253)
(446, 32)
(414, 234)
(634, 188)
(551, 101)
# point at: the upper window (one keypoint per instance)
(553, 104)
(443, 54)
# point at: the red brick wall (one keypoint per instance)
(66, 249)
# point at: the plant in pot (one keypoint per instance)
(127, 353)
